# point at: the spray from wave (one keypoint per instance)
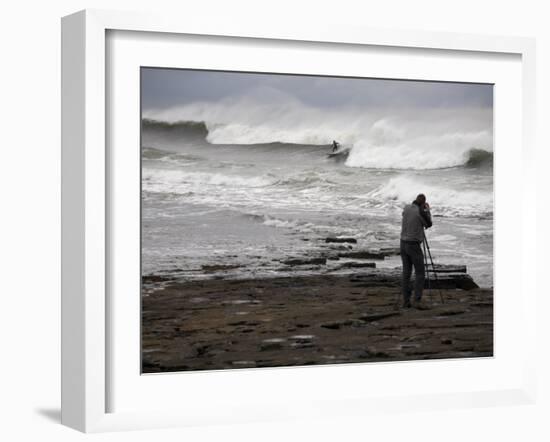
(398, 144)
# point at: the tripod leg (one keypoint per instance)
(433, 267)
(427, 270)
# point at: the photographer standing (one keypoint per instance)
(416, 217)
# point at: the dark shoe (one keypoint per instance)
(407, 304)
(419, 305)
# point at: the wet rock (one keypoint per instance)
(268, 347)
(155, 278)
(378, 316)
(452, 281)
(302, 341)
(362, 254)
(368, 353)
(218, 267)
(247, 323)
(390, 251)
(387, 278)
(302, 345)
(272, 344)
(481, 304)
(186, 326)
(244, 363)
(348, 265)
(241, 301)
(447, 268)
(305, 261)
(302, 338)
(198, 299)
(200, 350)
(451, 312)
(340, 240)
(336, 325)
(392, 278)
(340, 247)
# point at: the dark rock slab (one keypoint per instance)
(305, 261)
(340, 240)
(147, 279)
(372, 253)
(378, 316)
(362, 254)
(336, 325)
(271, 344)
(461, 281)
(218, 267)
(392, 278)
(357, 265)
(337, 319)
(447, 268)
(390, 251)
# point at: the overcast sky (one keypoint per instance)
(166, 88)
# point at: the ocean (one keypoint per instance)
(234, 194)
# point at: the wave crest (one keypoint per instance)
(380, 138)
(425, 152)
(479, 157)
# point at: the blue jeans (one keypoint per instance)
(412, 256)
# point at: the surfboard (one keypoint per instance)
(338, 153)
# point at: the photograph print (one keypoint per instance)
(295, 220)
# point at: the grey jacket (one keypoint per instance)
(415, 219)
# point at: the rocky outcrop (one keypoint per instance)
(382, 253)
(308, 320)
(447, 268)
(305, 261)
(446, 277)
(218, 267)
(340, 240)
(362, 254)
(355, 265)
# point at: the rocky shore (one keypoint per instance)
(309, 320)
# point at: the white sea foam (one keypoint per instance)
(262, 190)
(180, 181)
(294, 224)
(424, 151)
(444, 201)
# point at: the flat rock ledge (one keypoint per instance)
(308, 320)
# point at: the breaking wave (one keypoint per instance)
(423, 152)
(379, 138)
(183, 129)
(444, 201)
(479, 157)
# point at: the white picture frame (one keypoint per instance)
(86, 315)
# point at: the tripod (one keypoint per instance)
(427, 255)
(426, 246)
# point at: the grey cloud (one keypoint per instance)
(166, 88)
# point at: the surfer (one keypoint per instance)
(416, 218)
(335, 145)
